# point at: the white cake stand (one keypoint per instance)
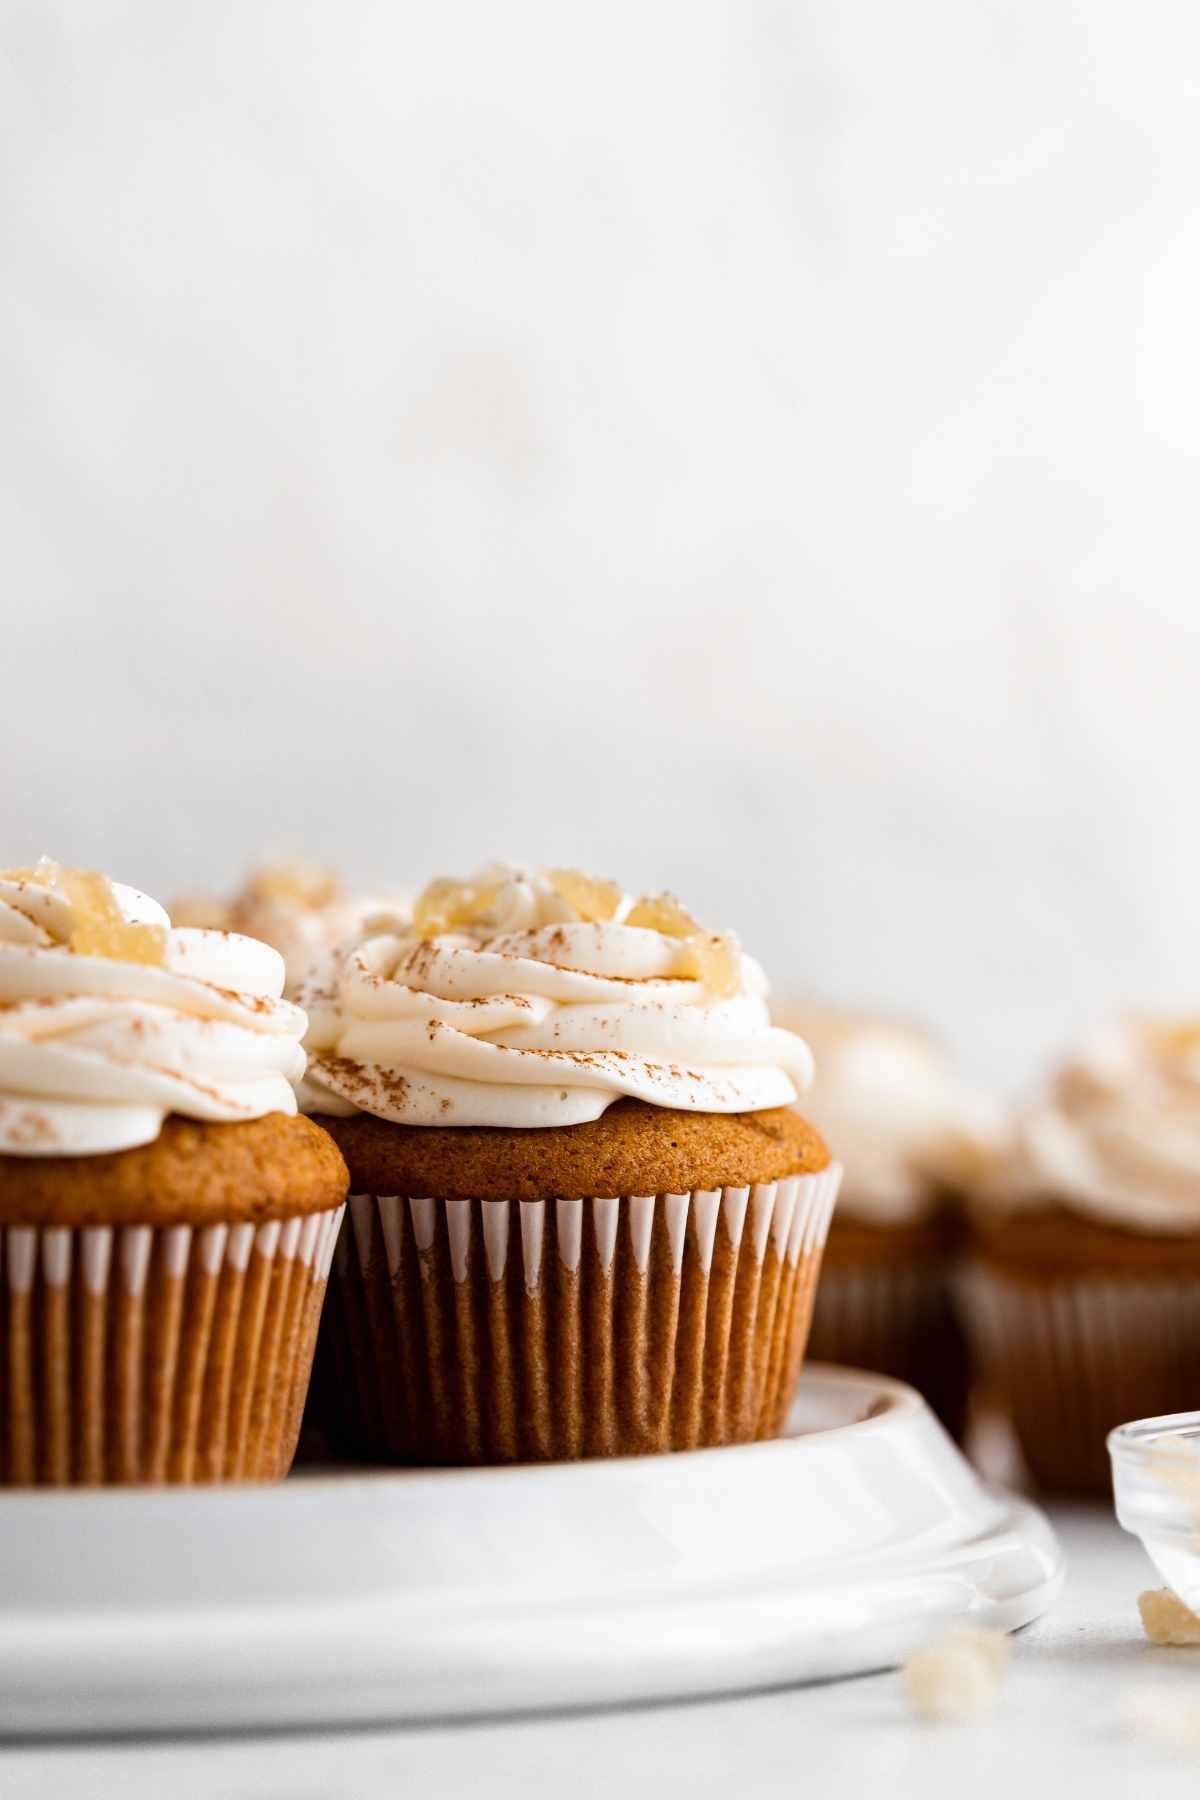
(385, 1596)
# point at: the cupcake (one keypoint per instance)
(166, 1217)
(586, 1219)
(301, 909)
(913, 1138)
(1086, 1289)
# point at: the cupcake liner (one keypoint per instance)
(1075, 1355)
(898, 1319)
(466, 1331)
(147, 1353)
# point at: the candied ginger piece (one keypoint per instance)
(594, 899)
(433, 906)
(98, 926)
(957, 1678)
(665, 914)
(448, 905)
(295, 882)
(1165, 1618)
(716, 962)
(45, 872)
(711, 957)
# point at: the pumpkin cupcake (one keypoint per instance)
(1086, 1291)
(914, 1139)
(303, 910)
(166, 1220)
(586, 1219)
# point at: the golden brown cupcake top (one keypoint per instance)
(193, 1173)
(633, 1148)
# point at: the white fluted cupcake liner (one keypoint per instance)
(1073, 1355)
(145, 1353)
(465, 1331)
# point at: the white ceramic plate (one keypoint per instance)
(388, 1596)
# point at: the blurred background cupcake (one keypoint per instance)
(914, 1138)
(1086, 1288)
(586, 1219)
(166, 1219)
(298, 907)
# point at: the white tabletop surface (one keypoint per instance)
(1060, 1717)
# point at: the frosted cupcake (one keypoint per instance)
(1087, 1293)
(913, 1138)
(299, 908)
(166, 1220)
(586, 1219)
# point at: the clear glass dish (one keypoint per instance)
(1156, 1483)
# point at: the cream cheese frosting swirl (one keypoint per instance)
(1117, 1136)
(907, 1128)
(301, 909)
(526, 999)
(110, 1020)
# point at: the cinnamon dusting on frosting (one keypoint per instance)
(94, 924)
(109, 1020)
(524, 999)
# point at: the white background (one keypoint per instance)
(747, 446)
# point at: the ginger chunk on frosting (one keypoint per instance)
(709, 957)
(594, 899)
(450, 905)
(98, 927)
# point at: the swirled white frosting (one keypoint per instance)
(96, 1051)
(534, 1015)
(907, 1128)
(303, 912)
(1117, 1136)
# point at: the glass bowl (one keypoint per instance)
(1156, 1482)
